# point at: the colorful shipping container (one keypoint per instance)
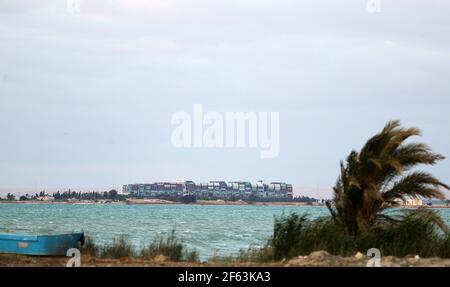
(213, 190)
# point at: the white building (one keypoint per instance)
(410, 202)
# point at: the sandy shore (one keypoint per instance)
(315, 259)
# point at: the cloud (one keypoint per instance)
(98, 88)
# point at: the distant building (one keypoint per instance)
(410, 202)
(213, 190)
(45, 198)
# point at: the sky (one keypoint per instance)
(86, 98)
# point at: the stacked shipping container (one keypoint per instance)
(213, 190)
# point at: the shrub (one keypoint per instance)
(89, 247)
(417, 232)
(170, 247)
(120, 248)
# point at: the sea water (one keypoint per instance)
(210, 229)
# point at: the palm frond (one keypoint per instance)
(373, 179)
(415, 185)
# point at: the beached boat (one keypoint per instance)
(40, 244)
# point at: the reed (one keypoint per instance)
(121, 247)
(169, 246)
(90, 247)
(414, 233)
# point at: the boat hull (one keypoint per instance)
(48, 245)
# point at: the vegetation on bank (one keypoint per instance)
(114, 196)
(170, 247)
(380, 177)
(372, 182)
(296, 235)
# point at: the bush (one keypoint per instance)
(413, 233)
(170, 247)
(295, 235)
(119, 249)
(287, 236)
(89, 247)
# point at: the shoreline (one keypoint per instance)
(315, 259)
(199, 202)
(163, 202)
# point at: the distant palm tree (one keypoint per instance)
(379, 177)
(10, 197)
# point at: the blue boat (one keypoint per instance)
(48, 245)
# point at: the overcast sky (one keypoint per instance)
(86, 98)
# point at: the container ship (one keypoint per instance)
(232, 190)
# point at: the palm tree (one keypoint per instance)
(380, 176)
